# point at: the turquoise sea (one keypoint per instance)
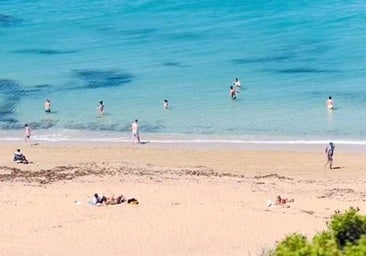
(289, 55)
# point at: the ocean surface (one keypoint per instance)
(290, 56)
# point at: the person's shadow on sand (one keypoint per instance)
(336, 167)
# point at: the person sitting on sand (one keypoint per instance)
(20, 158)
(282, 201)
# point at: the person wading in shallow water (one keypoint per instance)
(101, 108)
(27, 131)
(135, 136)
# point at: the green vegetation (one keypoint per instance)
(345, 236)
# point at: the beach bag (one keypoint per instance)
(132, 201)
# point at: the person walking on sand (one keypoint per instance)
(135, 132)
(329, 151)
(47, 106)
(101, 108)
(27, 131)
(330, 103)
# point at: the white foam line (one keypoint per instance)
(197, 141)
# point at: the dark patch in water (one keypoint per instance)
(8, 21)
(301, 70)
(103, 79)
(134, 33)
(43, 86)
(171, 64)
(93, 126)
(8, 85)
(46, 124)
(11, 124)
(11, 92)
(43, 124)
(139, 33)
(184, 36)
(151, 128)
(39, 89)
(261, 59)
(44, 51)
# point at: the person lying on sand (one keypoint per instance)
(99, 200)
(281, 201)
(115, 200)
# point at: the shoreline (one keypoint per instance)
(295, 146)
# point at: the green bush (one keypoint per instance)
(325, 244)
(294, 245)
(348, 227)
(358, 249)
(346, 236)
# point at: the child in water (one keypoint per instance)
(101, 108)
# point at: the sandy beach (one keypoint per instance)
(192, 200)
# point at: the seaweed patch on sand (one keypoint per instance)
(70, 172)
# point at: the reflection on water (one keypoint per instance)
(330, 115)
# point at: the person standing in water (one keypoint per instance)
(330, 103)
(101, 108)
(47, 106)
(232, 92)
(135, 136)
(166, 105)
(237, 83)
(27, 131)
(329, 151)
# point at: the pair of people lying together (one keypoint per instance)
(101, 200)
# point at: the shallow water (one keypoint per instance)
(133, 54)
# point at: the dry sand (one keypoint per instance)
(192, 201)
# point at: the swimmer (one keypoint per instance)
(47, 106)
(101, 108)
(330, 103)
(232, 93)
(237, 83)
(166, 105)
(27, 131)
